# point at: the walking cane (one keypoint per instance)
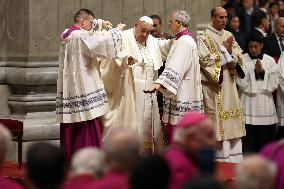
(152, 119)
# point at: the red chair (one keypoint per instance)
(16, 129)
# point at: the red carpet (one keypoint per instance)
(10, 169)
(225, 172)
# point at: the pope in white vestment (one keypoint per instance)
(81, 98)
(130, 106)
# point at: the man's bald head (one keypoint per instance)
(217, 10)
(219, 18)
(279, 27)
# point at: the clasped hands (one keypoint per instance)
(228, 44)
(258, 66)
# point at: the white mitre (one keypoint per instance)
(146, 19)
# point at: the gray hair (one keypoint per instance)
(88, 160)
(183, 17)
(5, 139)
(122, 147)
(255, 172)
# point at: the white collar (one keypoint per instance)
(250, 11)
(263, 9)
(261, 31)
(277, 37)
(218, 32)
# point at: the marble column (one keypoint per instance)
(29, 62)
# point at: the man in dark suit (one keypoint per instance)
(245, 14)
(260, 23)
(275, 42)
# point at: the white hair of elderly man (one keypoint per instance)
(89, 160)
(182, 16)
(255, 172)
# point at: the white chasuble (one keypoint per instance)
(80, 91)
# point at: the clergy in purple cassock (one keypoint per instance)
(122, 150)
(193, 133)
(275, 152)
(87, 165)
(81, 98)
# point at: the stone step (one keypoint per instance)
(23, 104)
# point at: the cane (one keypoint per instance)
(152, 119)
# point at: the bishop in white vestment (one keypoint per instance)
(180, 82)
(81, 98)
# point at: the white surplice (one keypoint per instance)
(80, 90)
(256, 95)
(181, 80)
(280, 91)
